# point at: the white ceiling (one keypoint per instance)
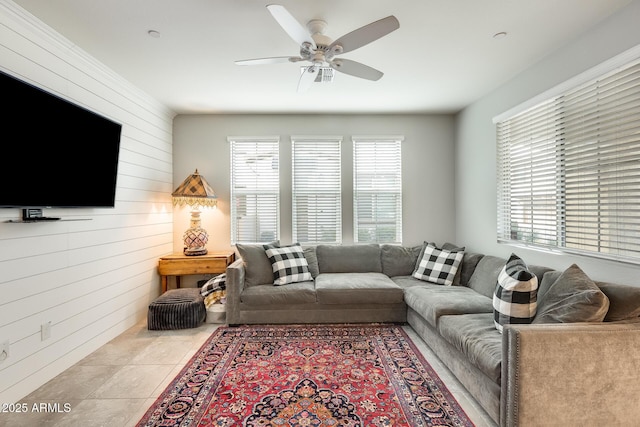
(442, 58)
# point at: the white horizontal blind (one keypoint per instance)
(377, 189)
(255, 190)
(602, 164)
(569, 169)
(528, 194)
(316, 182)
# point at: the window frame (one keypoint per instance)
(308, 187)
(269, 195)
(375, 190)
(590, 134)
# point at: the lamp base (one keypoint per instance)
(196, 237)
(195, 252)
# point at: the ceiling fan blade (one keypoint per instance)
(290, 25)
(307, 77)
(367, 34)
(356, 69)
(272, 60)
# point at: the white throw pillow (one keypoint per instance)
(289, 264)
(515, 297)
(438, 265)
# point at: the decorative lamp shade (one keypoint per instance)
(195, 191)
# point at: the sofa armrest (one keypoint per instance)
(235, 285)
(574, 374)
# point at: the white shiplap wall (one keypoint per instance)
(91, 279)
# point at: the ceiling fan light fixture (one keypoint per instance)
(322, 73)
(326, 75)
(337, 49)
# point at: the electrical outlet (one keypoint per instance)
(4, 351)
(45, 331)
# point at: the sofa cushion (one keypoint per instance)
(477, 338)
(485, 272)
(515, 297)
(624, 301)
(574, 297)
(288, 263)
(432, 301)
(266, 295)
(485, 276)
(399, 260)
(349, 258)
(406, 282)
(258, 270)
(438, 265)
(362, 288)
(469, 263)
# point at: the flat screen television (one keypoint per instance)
(55, 154)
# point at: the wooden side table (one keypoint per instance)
(180, 265)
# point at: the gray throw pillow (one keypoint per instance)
(399, 260)
(258, 269)
(574, 297)
(312, 260)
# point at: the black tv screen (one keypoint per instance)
(54, 153)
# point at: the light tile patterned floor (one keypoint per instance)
(115, 385)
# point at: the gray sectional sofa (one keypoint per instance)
(583, 373)
(349, 286)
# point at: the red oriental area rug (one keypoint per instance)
(307, 375)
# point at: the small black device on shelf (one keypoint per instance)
(33, 215)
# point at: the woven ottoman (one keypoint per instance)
(177, 309)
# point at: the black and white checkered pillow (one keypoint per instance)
(289, 264)
(214, 284)
(438, 265)
(516, 294)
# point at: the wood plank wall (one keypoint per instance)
(91, 279)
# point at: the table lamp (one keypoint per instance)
(196, 192)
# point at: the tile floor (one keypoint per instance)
(116, 384)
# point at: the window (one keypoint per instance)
(255, 190)
(569, 168)
(317, 207)
(377, 189)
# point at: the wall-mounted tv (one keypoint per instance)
(55, 154)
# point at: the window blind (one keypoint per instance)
(255, 190)
(377, 189)
(569, 169)
(316, 182)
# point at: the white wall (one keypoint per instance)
(91, 279)
(200, 141)
(476, 143)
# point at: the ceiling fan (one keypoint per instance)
(321, 51)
